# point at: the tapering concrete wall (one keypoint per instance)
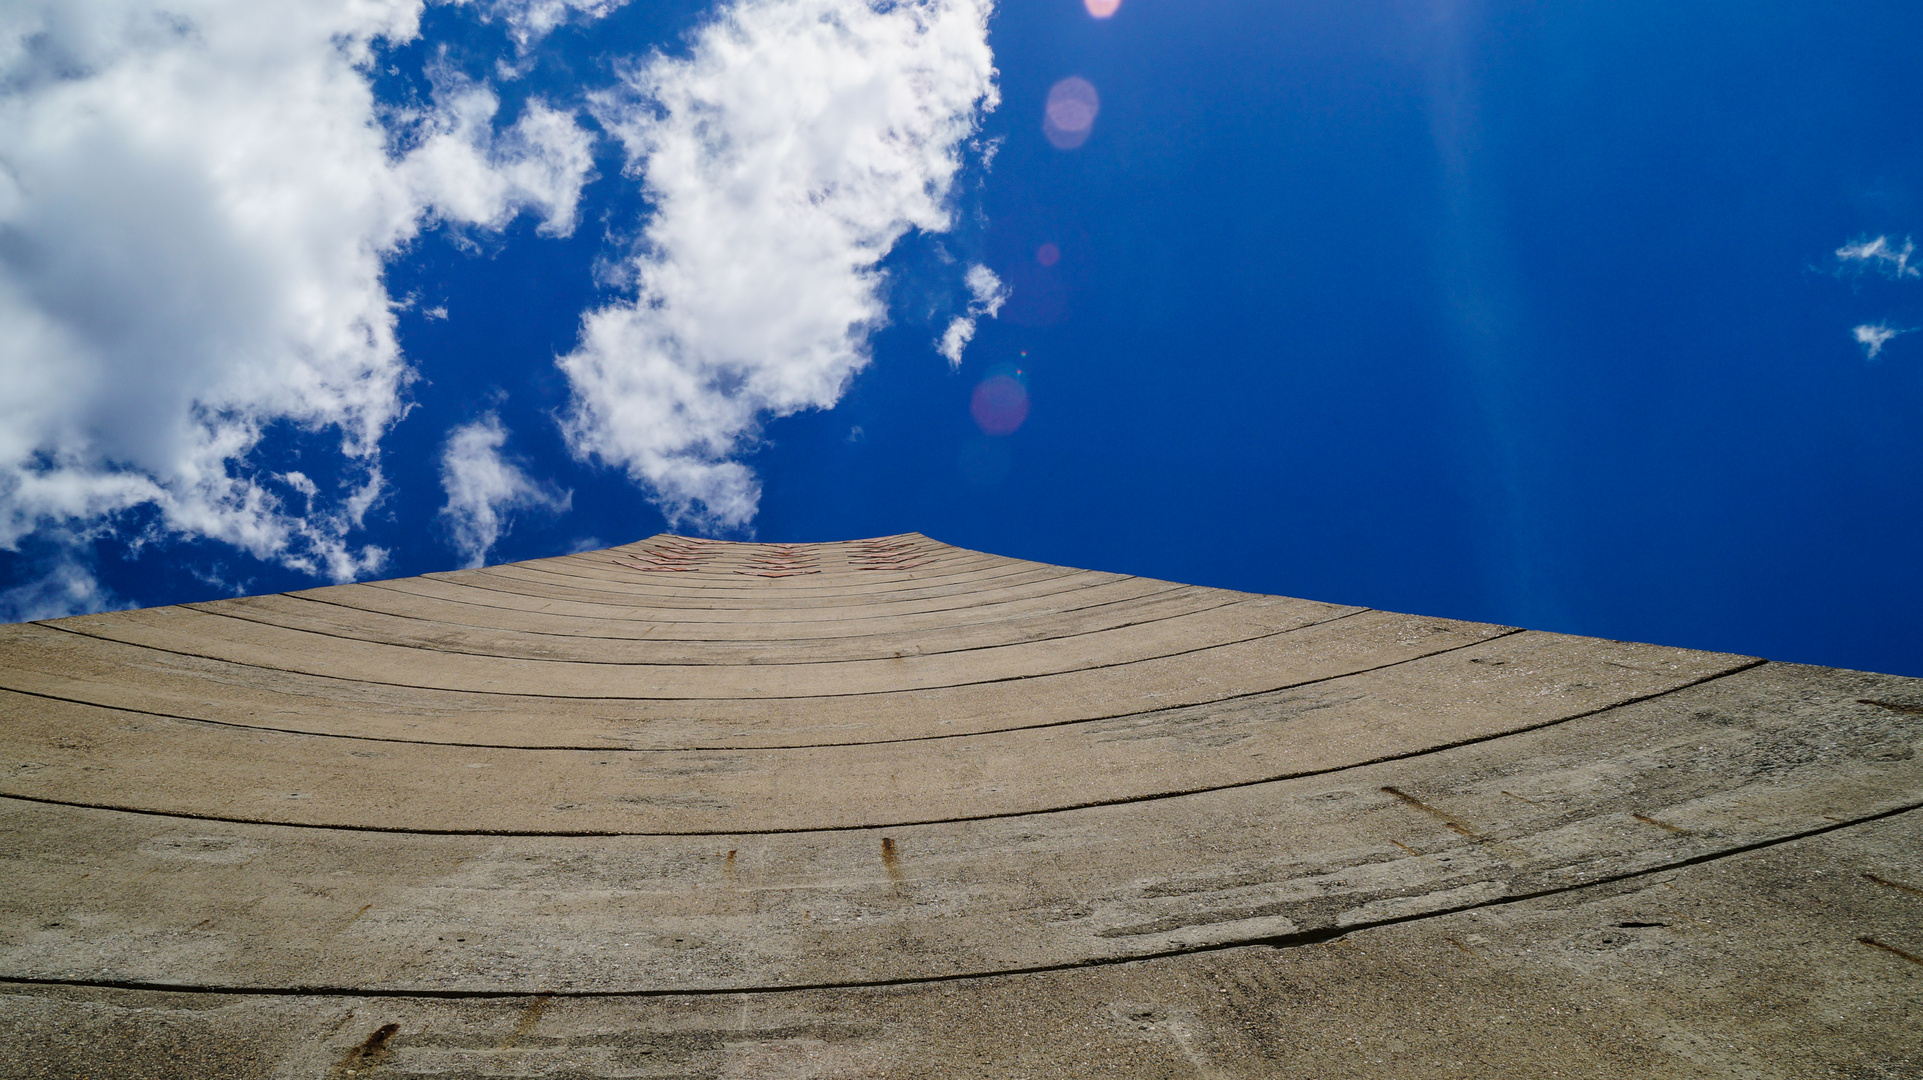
(894, 808)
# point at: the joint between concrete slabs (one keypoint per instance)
(1283, 941)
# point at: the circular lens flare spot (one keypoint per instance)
(1070, 115)
(1102, 9)
(1048, 254)
(1000, 405)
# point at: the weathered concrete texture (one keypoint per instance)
(891, 808)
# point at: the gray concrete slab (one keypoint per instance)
(1083, 643)
(553, 708)
(1509, 684)
(1774, 964)
(1070, 825)
(1715, 769)
(741, 587)
(695, 622)
(687, 597)
(427, 624)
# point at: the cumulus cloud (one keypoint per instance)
(1873, 336)
(987, 295)
(460, 170)
(783, 157)
(1881, 255)
(195, 205)
(483, 487)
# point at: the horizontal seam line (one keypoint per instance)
(776, 746)
(781, 642)
(758, 594)
(863, 577)
(737, 552)
(387, 586)
(760, 667)
(534, 566)
(1278, 941)
(441, 651)
(960, 819)
(784, 746)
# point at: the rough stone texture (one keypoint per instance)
(890, 808)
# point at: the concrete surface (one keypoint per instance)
(890, 808)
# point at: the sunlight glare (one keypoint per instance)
(1070, 116)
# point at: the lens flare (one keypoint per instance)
(1000, 402)
(1101, 9)
(1070, 115)
(1048, 254)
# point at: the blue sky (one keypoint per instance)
(1583, 316)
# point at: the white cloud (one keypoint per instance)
(1881, 254)
(1873, 336)
(783, 158)
(195, 203)
(987, 290)
(67, 588)
(465, 173)
(988, 294)
(531, 20)
(483, 487)
(956, 338)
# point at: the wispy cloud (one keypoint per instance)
(987, 295)
(483, 488)
(1873, 336)
(1881, 255)
(68, 587)
(783, 157)
(195, 203)
(529, 21)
